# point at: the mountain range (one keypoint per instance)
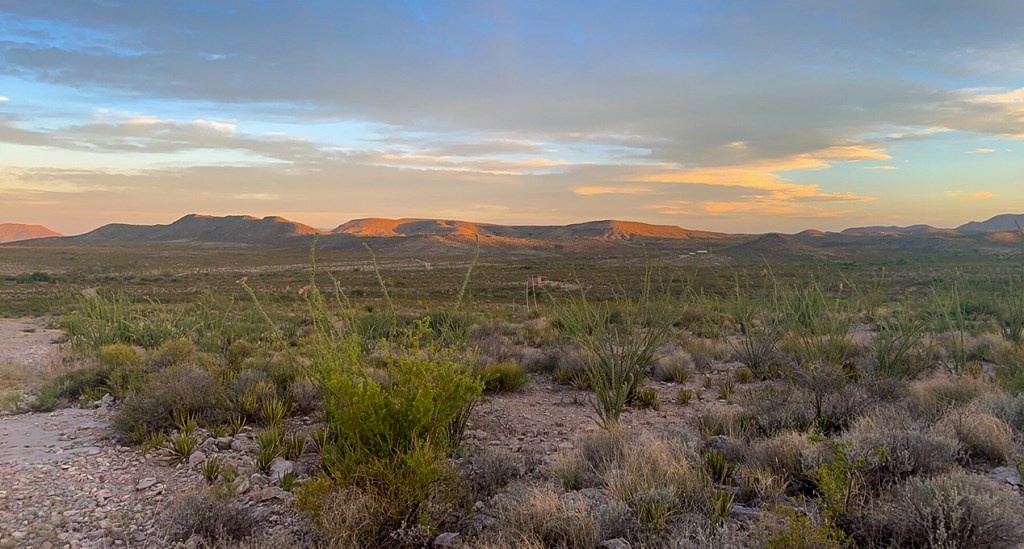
(430, 236)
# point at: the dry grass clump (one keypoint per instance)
(705, 352)
(1007, 407)
(675, 365)
(984, 436)
(931, 398)
(655, 479)
(723, 420)
(540, 516)
(781, 453)
(209, 518)
(955, 510)
(592, 455)
(888, 447)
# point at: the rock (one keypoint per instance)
(617, 543)
(237, 445)
(279, 468)
(196, 458)
(449, 540)
(269, 493)
(1006, 475)
(742, 512)
(224, 443)
(145, 484)
(258, 480)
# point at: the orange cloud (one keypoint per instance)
(979, 195)
(591, 191)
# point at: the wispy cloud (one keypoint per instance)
(591, 191)
(976, 195)
(884, 168)
(981, 151)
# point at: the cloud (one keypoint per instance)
(978, 195)
(591, 191)
(981, 151)
(884, 168)
(4, 99)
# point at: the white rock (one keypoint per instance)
(279, 468)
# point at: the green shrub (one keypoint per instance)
(390, 431)
(801, 530)
(503, 377)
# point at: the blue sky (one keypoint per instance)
(724, 115)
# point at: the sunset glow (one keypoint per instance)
(725, 116)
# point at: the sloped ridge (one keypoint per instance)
(890, 229)
(999, 223)
(204, 228)
(776, 247)
(17, 232)
(600, 230)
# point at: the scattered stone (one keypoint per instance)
(1007, 475)
(145, 484)
(449, 540)
(196, 458)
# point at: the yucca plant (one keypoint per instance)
(273, 411)
(211, 470)
(183, 445)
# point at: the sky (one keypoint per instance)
(718, 115)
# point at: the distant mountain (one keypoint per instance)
(16, 232)
(780, 248)
(241, 229)
(889, 229)
(999, 223)
(596, 230)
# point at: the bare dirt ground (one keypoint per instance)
(28, 344)
(64, 482)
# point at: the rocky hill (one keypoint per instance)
(16, 232)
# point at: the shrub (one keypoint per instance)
(182, 389)
(486, 471)
(984, 436)
(801, 530)
(503, 377)
(209, 518)
(306, 396)
(390, 431)
(759, 486)
(955, 509)
(887, 448)
(71, 386)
